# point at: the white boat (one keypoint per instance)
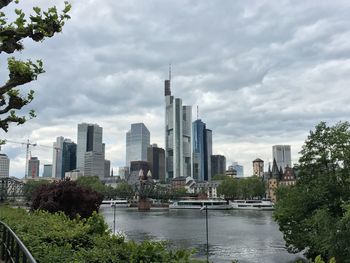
(252, 204)
(116, 203)
(201, 204)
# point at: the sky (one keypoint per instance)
(261, 72)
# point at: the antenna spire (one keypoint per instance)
(197, 112)
(170, 72)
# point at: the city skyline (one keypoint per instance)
(260, 85)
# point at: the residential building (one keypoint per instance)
(33, 167)
(156, 160)
(137, 142)
(201, 151)
(218, 165)
(258, 167)
(178, 121)
(282, 155)
(4, 165)
(47, 172)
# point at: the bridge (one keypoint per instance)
(10, 188)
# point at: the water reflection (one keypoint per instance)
(249, 236)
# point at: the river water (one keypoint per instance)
(247, 236)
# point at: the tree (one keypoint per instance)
(123, 190)
(228, 188)
(92, 182)
(314, 215)
(38, 26)
(30, 186)
(66, 196)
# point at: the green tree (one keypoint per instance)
(229, 188)
(124, 190)
(38, 26)
(30, 186)
(92, 182)
(219, 177)
(314, 215)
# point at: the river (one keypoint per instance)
(247, 236)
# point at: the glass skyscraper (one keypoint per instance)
(178, 120)
(282, 155)
(137, 142)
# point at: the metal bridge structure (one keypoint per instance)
(10, 188)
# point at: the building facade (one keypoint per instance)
(156, 160)
(178, 122)
(201, 151)
(218, 165)
(33, 167)
(258, 167)
(47, 172)
(4, 166)
(137, 142)
(282, 155)
(239, 168)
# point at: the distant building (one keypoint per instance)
(69, 157)
(288, 177)
(47, 173)
(33, 167)
(4, 165)
(156, 160)
(231, 172)
(201, 151)
(136, 166)
(239, 168)
(218, 165)
(107, 168)
(94, 164)
(124, 172)
(282, 155)
(258, 167)
(178, 121)
(137, 142)
(74, 175)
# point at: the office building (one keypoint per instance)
(137, 142)
(124, 172)
(136, 166)
(4, 166)
(258, 167)
(156, 160)
(107, 168)
(90, 150)
(282, 155)
(202, 151)
(218, 165)
(64, 157)
(239, 168)
(33, 167)
(47, 173)
(178, 122)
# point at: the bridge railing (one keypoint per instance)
(12, 249)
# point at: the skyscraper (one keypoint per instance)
(201, 151)
(156, 160)
(90, 150)
(47, 170)
(64, 157)
(33, 167)
(282, 155)
(239, 168)
(178, 120)
(218, 165)
(137, 142)
(4, 165)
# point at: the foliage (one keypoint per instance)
(39, 26)
(30, 186)
(314, 215)
(57, 238)
(220, 177)
(92, 182)
(124, 190)
(68, 197)
(244, 188)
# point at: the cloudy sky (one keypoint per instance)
(262, 73)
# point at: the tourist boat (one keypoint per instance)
(116, 203)
(214, 204)
(252, 204)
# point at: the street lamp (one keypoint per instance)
(114, 207)
(206, 227)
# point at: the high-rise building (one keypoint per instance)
(201, 151)
(156, 160)
(178, 121)
(124, 172)
(282, 155)
(218, 165)
(64, 157)
(89, 139)
(4, 165)
(137, 142)
(107, 168)
(258, 167)
(136, 166)
(239, 168)
(47, 170)
(33, 167)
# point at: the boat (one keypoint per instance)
(210, 204)
(252, 204)
(116, 203)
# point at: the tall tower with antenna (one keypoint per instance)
(178, 120)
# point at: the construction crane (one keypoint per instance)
(28, 144)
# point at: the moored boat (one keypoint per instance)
(252, 204)
(116, 203)
(201, 204)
